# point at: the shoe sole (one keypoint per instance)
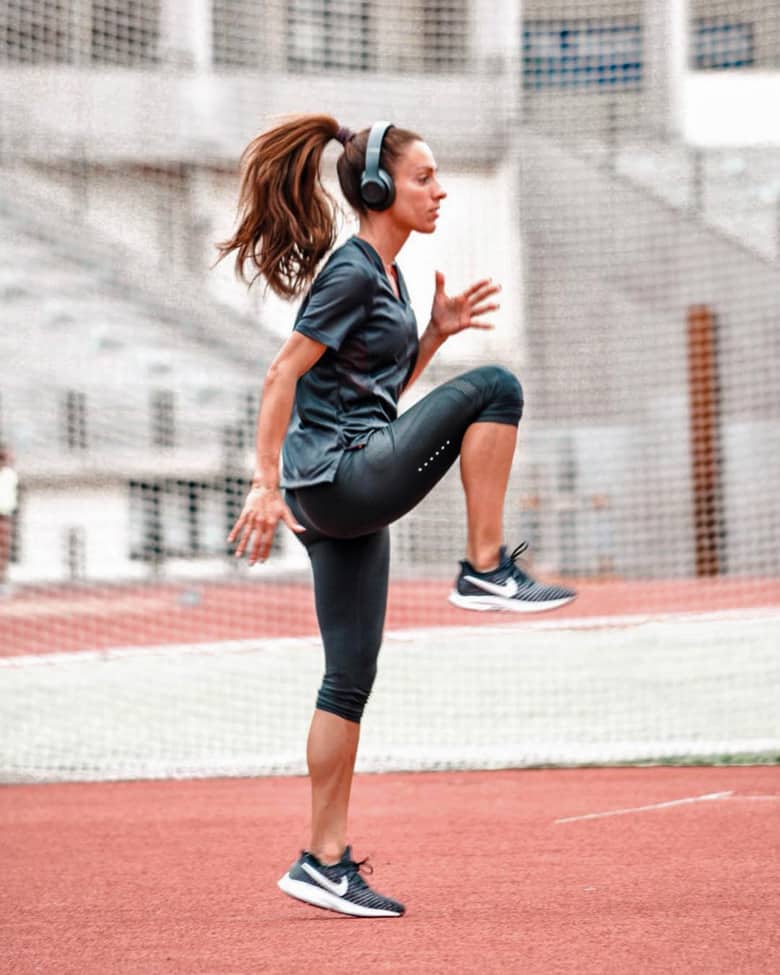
(311, 894)
(486, 604)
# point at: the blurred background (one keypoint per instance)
(615, 164)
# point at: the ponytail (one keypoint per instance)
(286, 224)
(286, 219)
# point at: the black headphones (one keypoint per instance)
(377, 190)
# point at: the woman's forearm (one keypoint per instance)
(430, 343)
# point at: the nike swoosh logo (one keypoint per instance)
(338, 889)
(507, 589)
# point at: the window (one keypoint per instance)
(125, 32)
(74, 420)
(163, 414)
(329, 35)
(237, 33)
(581, 54)
(172, 518)
(445, 36)
(116, 32)
(35, 33)
(721, 46)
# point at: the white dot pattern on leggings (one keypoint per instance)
(433, 456)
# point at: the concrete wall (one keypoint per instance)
(154, 116)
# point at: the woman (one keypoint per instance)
(350, 465)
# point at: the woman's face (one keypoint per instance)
(418, 192)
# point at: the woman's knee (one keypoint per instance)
(503, 394)
(346, 694)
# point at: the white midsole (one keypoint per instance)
(486, 603)
(303, 891)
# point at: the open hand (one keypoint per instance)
(452, 315)
(262, 512)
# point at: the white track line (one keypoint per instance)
(656, 805)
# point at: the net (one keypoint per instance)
(660, 691)
(640, 282)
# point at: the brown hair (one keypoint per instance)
(285, 215)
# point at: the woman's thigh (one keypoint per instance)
(402, 462)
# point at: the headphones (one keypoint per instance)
(377, 190)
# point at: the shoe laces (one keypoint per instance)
(356, 866)
(350, 867)
(517, 552)
(512, 568)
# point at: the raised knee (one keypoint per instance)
(508, 386)
(504, 393)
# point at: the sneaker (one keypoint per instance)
(337, 888)
(506, 587)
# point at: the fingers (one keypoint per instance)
(247, 530)
(261, 549)
(238, 527)
(255, 532)
(289, 519)
(249, 524)
(481, 290)
(258, 537)
(478, 310)
(439, 281)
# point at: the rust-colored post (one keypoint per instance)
(704, 428)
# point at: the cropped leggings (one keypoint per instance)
(346, 521)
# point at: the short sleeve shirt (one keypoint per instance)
(353, 389)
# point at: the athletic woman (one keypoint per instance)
(350, 464)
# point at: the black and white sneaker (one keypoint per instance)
(506, 587)
(337, 888)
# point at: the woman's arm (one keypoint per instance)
(264, 507)
(452, 315)
(298, 354)
(430, 343)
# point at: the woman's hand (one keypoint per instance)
(263, 510)
(452, 315)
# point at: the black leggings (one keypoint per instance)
(347, 537)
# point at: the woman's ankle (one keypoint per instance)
(327, 854)
(484, 559)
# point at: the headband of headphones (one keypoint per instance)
(377, 190)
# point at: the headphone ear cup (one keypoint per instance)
(377, 192)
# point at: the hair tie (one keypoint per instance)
(344, 135)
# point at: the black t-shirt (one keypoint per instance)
(354, 387)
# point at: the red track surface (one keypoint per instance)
(178, 878)
(81, 618)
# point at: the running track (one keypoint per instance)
(178, 878)
(57, 619)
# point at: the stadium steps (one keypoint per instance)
(77, 318)
(732, 190)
